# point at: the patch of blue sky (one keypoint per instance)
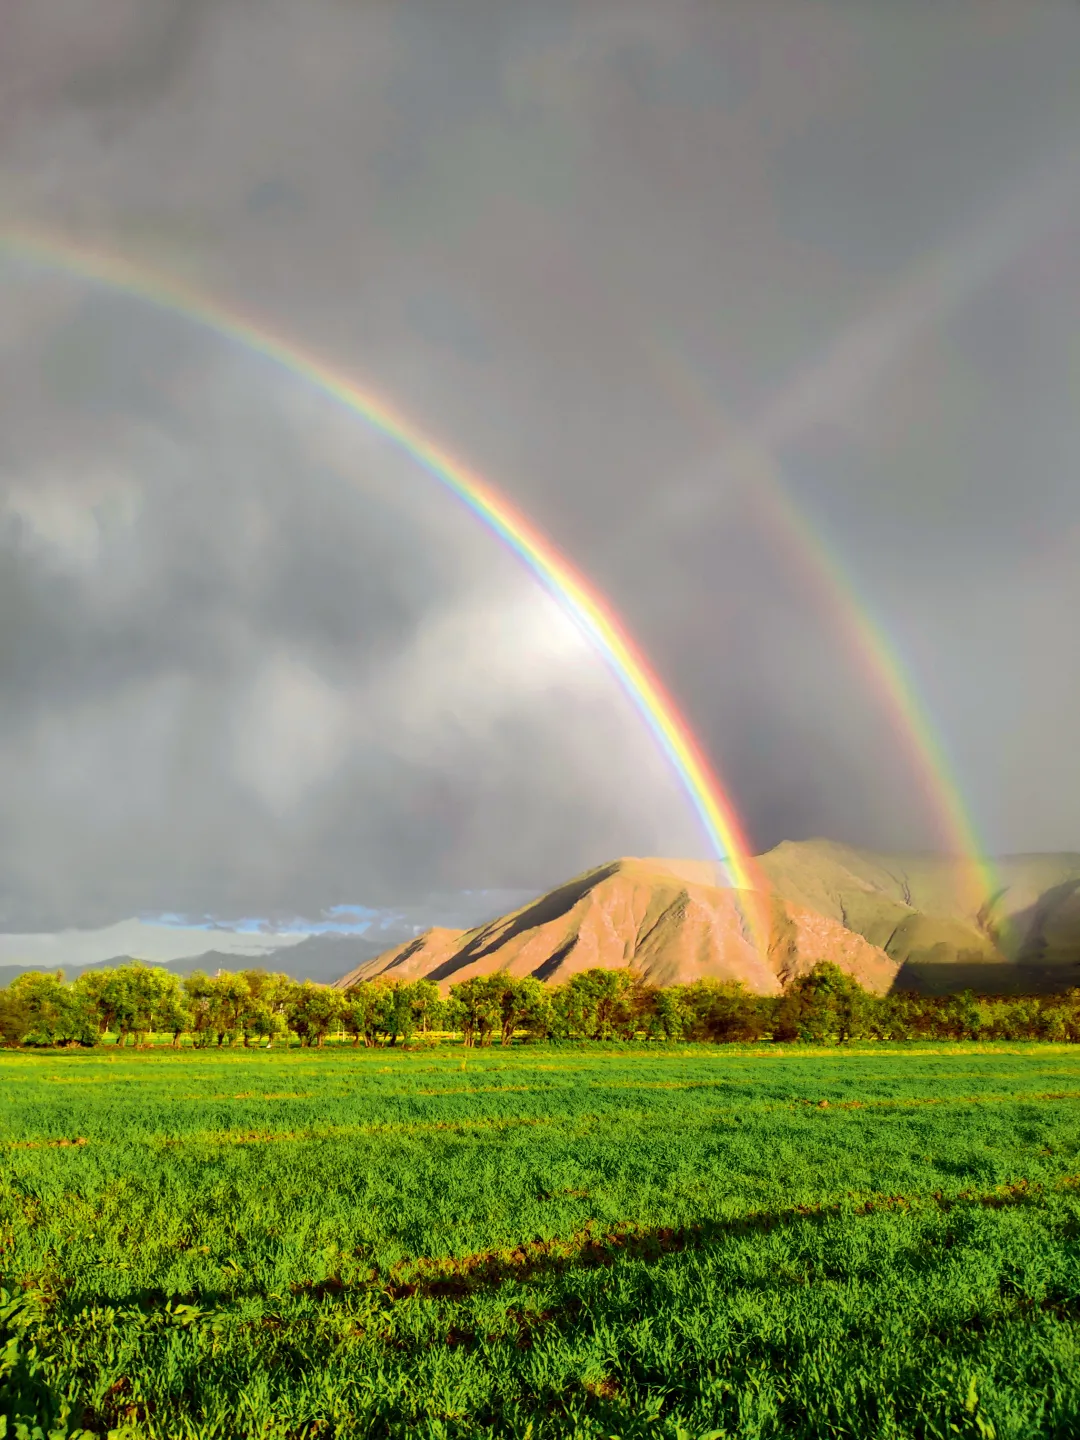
(337, 920)
(180, 922)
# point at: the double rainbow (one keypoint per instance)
(744, 451)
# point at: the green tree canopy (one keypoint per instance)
(313, 1010)
(47, 1011)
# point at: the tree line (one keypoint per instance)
(132, 1004)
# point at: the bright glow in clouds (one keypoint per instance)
(68, 523)
(446, 678)
(147, 939)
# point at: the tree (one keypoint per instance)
(171, 1014)
(134, 1000)
(261, 1021)
(667, 1013)
(427, 1004)
(230, 998)
(390, 1008)
(397, 1017)
(827, 1006)
(47, 1011)
(724, 1010)
(600, 1005)
(262, 1011)
(156, 1001)
(120, 1002)
(201, 1001)
(477, 1008)
(14, 1017)
(523, 1002)
(235, 1005)
(359, 1011)
(98, 995)
(1070, 1014)
(312, 1010)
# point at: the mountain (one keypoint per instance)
(945, 932)
(668, 918)
(320, 957)
(893, 921)
(307, 950)
(158, 941)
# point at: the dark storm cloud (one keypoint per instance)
(252, 660)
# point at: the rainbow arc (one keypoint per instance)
(584, 604)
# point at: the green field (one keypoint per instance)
(540, 1241)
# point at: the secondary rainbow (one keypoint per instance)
(746, 451)
(581, 601)
(936, 286)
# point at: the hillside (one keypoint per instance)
(925, 912)
(669, 919)
(892, 921)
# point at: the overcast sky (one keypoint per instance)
(254, 662)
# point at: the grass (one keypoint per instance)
(541, 1242)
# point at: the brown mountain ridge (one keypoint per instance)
(669, 919)
(890, 921)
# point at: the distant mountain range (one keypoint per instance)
(892, 921)
(320, 957)
(182, 948)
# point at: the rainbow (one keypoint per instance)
(918, 300)
(934, 287)
(582, 602)
(898, 695)
(745, 451)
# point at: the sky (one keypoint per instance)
(254, 662)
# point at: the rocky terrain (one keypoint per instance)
(921, 922)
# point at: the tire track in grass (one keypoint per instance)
(457, 1277)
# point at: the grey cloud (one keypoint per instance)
(143, 57)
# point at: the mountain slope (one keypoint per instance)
(924, 911)
(666, 918)
(914, 907)
(893, 920)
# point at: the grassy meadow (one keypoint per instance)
(542, 1241)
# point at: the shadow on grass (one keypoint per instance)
(455, 1277)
